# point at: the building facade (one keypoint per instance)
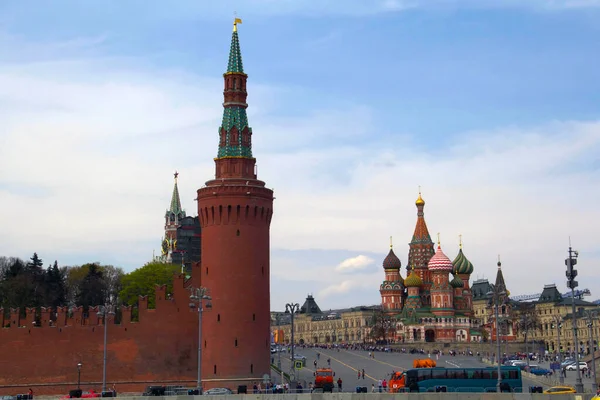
(434, 302)
(313, 326)
(235, 210)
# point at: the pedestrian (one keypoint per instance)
(363, 373)
(114, 390)
(318, 356)
(30, 394)
(315, 363)
(384, 383)
(372, 388)
(339, 382)
(358, 370)
(329, 362)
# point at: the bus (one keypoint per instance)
(456, 380)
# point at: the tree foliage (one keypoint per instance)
(142, 282)
(382, 327)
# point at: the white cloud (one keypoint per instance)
(87, 149)
(354, 264)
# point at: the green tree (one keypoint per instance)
(55, 285)
(382, 327)
(142, 281)
(92, 289)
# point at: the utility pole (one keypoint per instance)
(198, 297)
(558, 324)
(572, 284)
(292, 309)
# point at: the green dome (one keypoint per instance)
(413, 280)
(461, 265)
(456, 282)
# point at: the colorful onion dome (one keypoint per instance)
(391, 261)
(439, 261)
(461, 264)
(413, 280)
(456, 282)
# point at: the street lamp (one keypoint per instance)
(197, 298)
(79, 375)
(104, 310)
(591, 316)
(558, 324)
(277, 318)
(292, 308)
(498, 294)
(571, 273)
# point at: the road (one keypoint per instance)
(347, 363)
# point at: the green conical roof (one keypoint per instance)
(456, 282)
(235, 55)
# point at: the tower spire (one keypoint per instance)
(421, 245)
(234, 158)
(175, 200)
(460, 242)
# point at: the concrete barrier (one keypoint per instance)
(377, 396)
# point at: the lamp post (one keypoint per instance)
(197, 298)
(107, 309)
(497, 293)
(79, 375)
(292, 308)
(571, 273)
(558, 324)
(591, 316)
(277, 317)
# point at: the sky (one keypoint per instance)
(491, 107)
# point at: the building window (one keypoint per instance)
(235, 342)
(237, 233)
(251, 368)
(215, 369)
(253, 317)
(218, 317)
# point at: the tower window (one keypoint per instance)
(251, 368)
(263, 271)
(218, 317)
(206, 270)
(205, 344)
(215, 369)
(235, 342)
(253, 317)
(237, 233)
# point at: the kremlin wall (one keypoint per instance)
(160, 348)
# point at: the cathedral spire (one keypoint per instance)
(421, 245)
(234, 158)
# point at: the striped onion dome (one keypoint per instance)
(456, 282)
(461, 264)
(413, 280)
(439, 261)
(391, 261)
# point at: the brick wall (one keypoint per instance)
(160, 348)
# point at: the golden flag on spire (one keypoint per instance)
(235, 22)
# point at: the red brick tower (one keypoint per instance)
(392, 288)
(235, 212)
(421, 251)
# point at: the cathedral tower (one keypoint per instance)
(421, 251)
(235, 212)
(392, 288)
(173, 217)
(463, 268)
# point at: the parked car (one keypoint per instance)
(216, 391)
(582, 366)
(540, 371)
(560, 390)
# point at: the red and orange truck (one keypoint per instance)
(324, 379)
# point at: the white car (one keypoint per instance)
(582, 366)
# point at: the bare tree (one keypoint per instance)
(528, 321)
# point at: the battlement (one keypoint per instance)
(177, 302)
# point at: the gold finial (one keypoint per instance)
(236, 21)
(499, 263)
(460, 242)
(420, 201)
(391, 244)
(438, 239)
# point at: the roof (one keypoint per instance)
(550, 294)
(440, 261)
(235, 55)
(391, 261)
(310, 306)
(480, 289)
(461, 264)
(175, 206)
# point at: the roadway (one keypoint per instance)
(347, 363)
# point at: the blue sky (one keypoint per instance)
(491, 106)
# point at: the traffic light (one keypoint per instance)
(571, 271)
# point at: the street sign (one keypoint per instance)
(266, 378)
(298, 364)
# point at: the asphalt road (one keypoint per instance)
(347, 363)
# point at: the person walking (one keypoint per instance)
(339, 382)
(363, 373)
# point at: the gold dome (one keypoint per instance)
(420, 201)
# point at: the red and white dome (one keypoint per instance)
(440, 262)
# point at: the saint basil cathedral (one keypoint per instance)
(434, 302)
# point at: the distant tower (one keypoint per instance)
(442, 296)
(235, 212)
(392, 288)
(421, 251)
(463, 268)
(173, 218)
